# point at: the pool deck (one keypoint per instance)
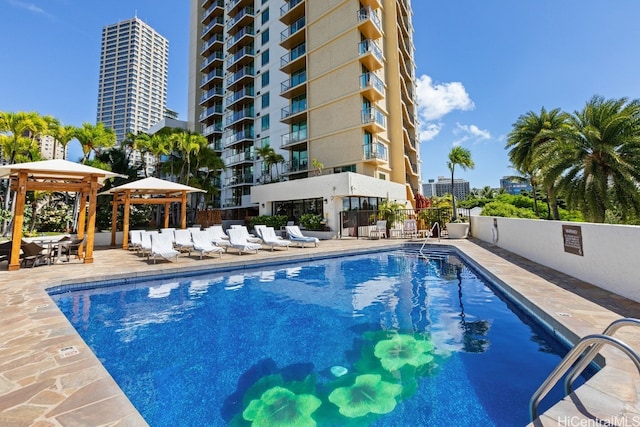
(50, 377)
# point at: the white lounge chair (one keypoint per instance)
(295, 235)
(161, 246)
(237, 240)
(171, 231)
(145, 246)
(270, 239)
(249, 237)
(203, 245)
(182, 241)
(379, 231)
(214, 238)
(258, 229)
(135, 240)
(410, 228)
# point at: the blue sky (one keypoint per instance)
(480, 64)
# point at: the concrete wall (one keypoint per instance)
(609, 251)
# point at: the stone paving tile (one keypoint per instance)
(39, 387)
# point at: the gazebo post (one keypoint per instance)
(114, 220)
(166, 214)
(18, 220)
(183, 212)
(82, 219)
(125, 220)
(91, 225)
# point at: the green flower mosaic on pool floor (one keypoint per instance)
(403, 350)
(280, 406)
(369, 394)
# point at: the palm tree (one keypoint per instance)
(62, 135)
(597, 162)
(187, 142)
(462, 157)
(94, 139)
(531, 136)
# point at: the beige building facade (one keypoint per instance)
(329, 85)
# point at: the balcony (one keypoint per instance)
(294, 86)
(293, 35)
(239, 180)
(211, 78)
(376, 152)
(217, 6)
(373, 4)
(245, 93)
(218, 21)
(293, 113)
(212, 61)
(239, 158)
(238, 116)
(242, 135)
(294, 59)
(242, 37)
(237, 4)
(369, 23)
(242, 57)
(293, 139)
(372, 87)
(370, 55)
(215, 42)
(214, 109)
(291, 11)
(211, 129)
(232, 202)
(374, 120)
(245, 16)
(241, 77)
(216, 91)
(295, 166)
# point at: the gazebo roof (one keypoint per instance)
(152, 186)
(56, 169)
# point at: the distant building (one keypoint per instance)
(49, 149)
(514, 186)
(132, 87)
(432, 188)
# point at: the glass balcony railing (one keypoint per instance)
(288, 6)
(369, 46)
(298, 79)
(218, 20)
(293, 54)
(376, 150)
(292, 29)
(293, 137)
(373, 115)
(366, 13)
(246, 91)
(371, 80)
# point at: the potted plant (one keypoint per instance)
(393, 212)
(458, 228)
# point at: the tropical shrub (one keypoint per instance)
(275, 221)
(312, 221)
(507, 210)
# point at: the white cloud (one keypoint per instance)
(436, 101)
(472, 130)
(28, 6)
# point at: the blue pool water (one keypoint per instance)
(215, 349)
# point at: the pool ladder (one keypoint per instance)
(433, 227)
(592, 344)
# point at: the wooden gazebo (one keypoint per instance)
(148, 191)
(55, 175)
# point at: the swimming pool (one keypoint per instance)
(382, 339)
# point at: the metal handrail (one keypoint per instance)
(591, 354)
(434, 226)
(570, 358)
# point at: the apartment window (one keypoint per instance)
(265, 122)
(265, 57)
(265, 78)
(265, 36)
(382, 176)
(265, 16)
(265, 100)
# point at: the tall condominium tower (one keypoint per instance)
(329, 85)
(132, 88)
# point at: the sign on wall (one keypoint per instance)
(572, 237)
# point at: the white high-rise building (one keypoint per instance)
(132, 88)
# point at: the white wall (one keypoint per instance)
(610, 259)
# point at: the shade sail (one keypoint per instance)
(152, 186)
(56, 169)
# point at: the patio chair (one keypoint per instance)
(218, 232)
(71, 247)
(5, 250)
(171, 232)
(270, 239)
(182, 240)
(258, 228)
(410, 228)
(249, 237)
(203, 245)
(295, 235)
(237, 240)
(162, 247)
(379, 231)
(34, 254)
